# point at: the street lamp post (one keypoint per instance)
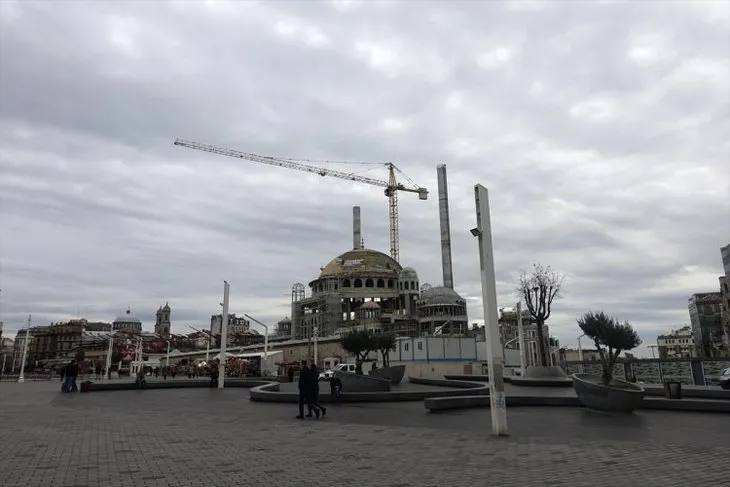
(580, 354)
(504, 347)
(224, 337)
(167, 356)
(108, 373)
(21, 378)
(266, 342)
(495, 357)
(316, 333)
(521, 336)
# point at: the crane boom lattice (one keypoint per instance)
(392, 186)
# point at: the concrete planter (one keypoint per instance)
(394, 373)
(361, 383)
(618, 397)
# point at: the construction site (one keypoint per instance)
(365, 289)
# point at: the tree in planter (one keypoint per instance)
(610, 338)
(538, 290)
(384, 343)
(359, 343)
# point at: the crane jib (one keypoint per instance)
(391, 186)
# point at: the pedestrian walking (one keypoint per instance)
(70, 372)
(305, 391)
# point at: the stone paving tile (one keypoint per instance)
(201, 437)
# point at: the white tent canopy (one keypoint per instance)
(271, 354)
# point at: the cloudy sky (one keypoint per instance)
(602, 130)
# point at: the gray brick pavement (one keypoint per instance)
(202, 437)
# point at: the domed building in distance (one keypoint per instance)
(441, 311)
(359, 289)
(127, 322)
(367, 289)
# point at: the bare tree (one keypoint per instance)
(538, 290)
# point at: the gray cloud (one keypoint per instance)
(601, 130)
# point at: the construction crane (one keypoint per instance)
(392, 186)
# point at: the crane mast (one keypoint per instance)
(392, 186)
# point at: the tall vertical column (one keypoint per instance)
(356, 231)
(224, 337)
(445, 227)
(521, 338)
(495, 354)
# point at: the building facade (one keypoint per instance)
(678, 344)
(509, 333)
(725, 312)
(238, 327)
(705, 314)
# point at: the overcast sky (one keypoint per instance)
(602, 131)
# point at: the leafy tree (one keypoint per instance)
(80, 355)
(610, 338)
(538, 290)
(359, 343)
(384, 343)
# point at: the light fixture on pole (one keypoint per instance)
(265, 367)
(224, 337)
(521, 336)
(21, 378)
(495, 359)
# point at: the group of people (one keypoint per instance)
(309, 392)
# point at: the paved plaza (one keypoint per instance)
(207, 437)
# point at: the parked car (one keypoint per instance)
(725, 379)
(351, 368)
(326, 374)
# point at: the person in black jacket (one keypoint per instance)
(314, 391)
(305, 391)
(70, 372)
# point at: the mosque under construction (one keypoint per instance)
(367, 289)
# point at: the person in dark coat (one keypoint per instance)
(313, 402)
(70, 372)
(305, 391)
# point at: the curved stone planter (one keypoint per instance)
(394, 374)
(173, 384)
(619, 397)
(548, 376)
(271, 392)
(361, 383)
